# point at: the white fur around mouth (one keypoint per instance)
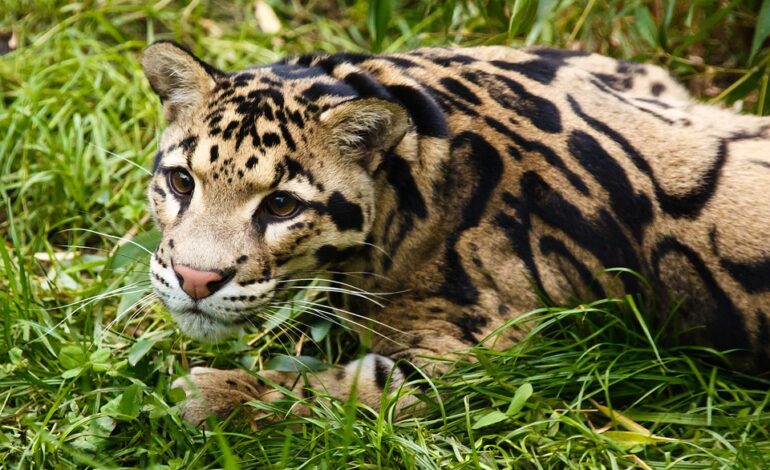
(213, 318)
(202, 326)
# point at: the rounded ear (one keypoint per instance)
(180, 79)
(366, 126)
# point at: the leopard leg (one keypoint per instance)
(218, 393)
(417, 342)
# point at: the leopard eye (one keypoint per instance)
(181, 182)
(282, 204)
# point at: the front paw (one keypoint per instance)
(215, 392)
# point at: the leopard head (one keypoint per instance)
(263, 176)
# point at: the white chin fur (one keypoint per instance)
(199, 327)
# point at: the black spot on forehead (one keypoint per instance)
(295, 169)
(280, 171)
(273, 94)
(270, 139)
(188, 144)
(228, 132)
(241, 79)
(296, 118)
(288, 138)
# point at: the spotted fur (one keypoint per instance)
(477, 181)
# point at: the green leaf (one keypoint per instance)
(629, 440)
(378, 20)
(622, 420)
(100, 360)
(135, 250)
(71, 357)
(131, 297)
(127, 405)
(319, 329)
(645, 23)
(522, 17)
(74, 372)
(519, 399)
(489, 419)
(762, 30)
(96, 437)
(131, 401)
(283, 363)
(278, 317)
(176, 395)
(139, 349)
(100, 355)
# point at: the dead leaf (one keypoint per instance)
(8, 42)
(266, 18)
(213, 29)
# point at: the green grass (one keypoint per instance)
(86, 359)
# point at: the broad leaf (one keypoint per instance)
(139, 349)
(71, 357)
(489, 419)
(283, 363)
(519, 399)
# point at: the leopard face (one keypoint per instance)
(262, 177)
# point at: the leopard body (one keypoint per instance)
(478, 183)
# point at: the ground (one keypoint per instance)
(87, 356)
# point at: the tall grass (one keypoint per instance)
(86, 357)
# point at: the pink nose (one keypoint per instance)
(199, 284)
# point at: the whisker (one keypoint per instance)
(331, 289)
(139, 305)
(102, 296)
(357, 315)
(142, 310)
(286, 328)
(358, 289)
(346, 273)
(122, 158)
(379, 248)
(326, 316)
(112, 237)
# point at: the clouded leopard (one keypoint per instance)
(477, 182)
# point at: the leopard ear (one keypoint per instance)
(180, 79)
(366, 126)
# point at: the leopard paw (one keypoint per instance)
(215, 392)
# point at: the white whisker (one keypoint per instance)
(122, 158)
(113, 237)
